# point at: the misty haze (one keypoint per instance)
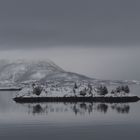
(69, 69)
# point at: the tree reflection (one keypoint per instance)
(102, 108)
(121, 108)
(37, 109)
(77, 108)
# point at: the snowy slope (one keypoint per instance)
(82, 90)
(23, 70)
(64, 77)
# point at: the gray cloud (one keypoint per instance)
(43, 23)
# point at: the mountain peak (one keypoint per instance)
(23, 70)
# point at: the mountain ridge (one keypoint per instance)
(34, 70)
(26, 71)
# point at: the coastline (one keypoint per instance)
(77, 99)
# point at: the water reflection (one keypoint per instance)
(121, 108)
(102, 108)
(76, 108)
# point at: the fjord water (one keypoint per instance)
(68, 120)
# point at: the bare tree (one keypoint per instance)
(37, 90)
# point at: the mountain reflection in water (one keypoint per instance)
(77, 108)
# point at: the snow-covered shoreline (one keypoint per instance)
(65, 92)
(77, 92)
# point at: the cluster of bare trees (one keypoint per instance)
(84, 91)
(37, 89)
(87, 90)
(100, 90)
(120, 89)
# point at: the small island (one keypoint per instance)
(78, 92)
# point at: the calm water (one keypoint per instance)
(68, 121)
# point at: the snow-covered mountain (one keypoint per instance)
(66, 76)
(31, 70)
(25, 71)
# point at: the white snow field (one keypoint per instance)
(82, 90)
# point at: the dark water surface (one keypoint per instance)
(66, 121)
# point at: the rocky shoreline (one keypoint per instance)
(124, 99)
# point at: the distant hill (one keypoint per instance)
(31, 70)
(25, 71)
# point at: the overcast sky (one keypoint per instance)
(45, 23)
(99, 38)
